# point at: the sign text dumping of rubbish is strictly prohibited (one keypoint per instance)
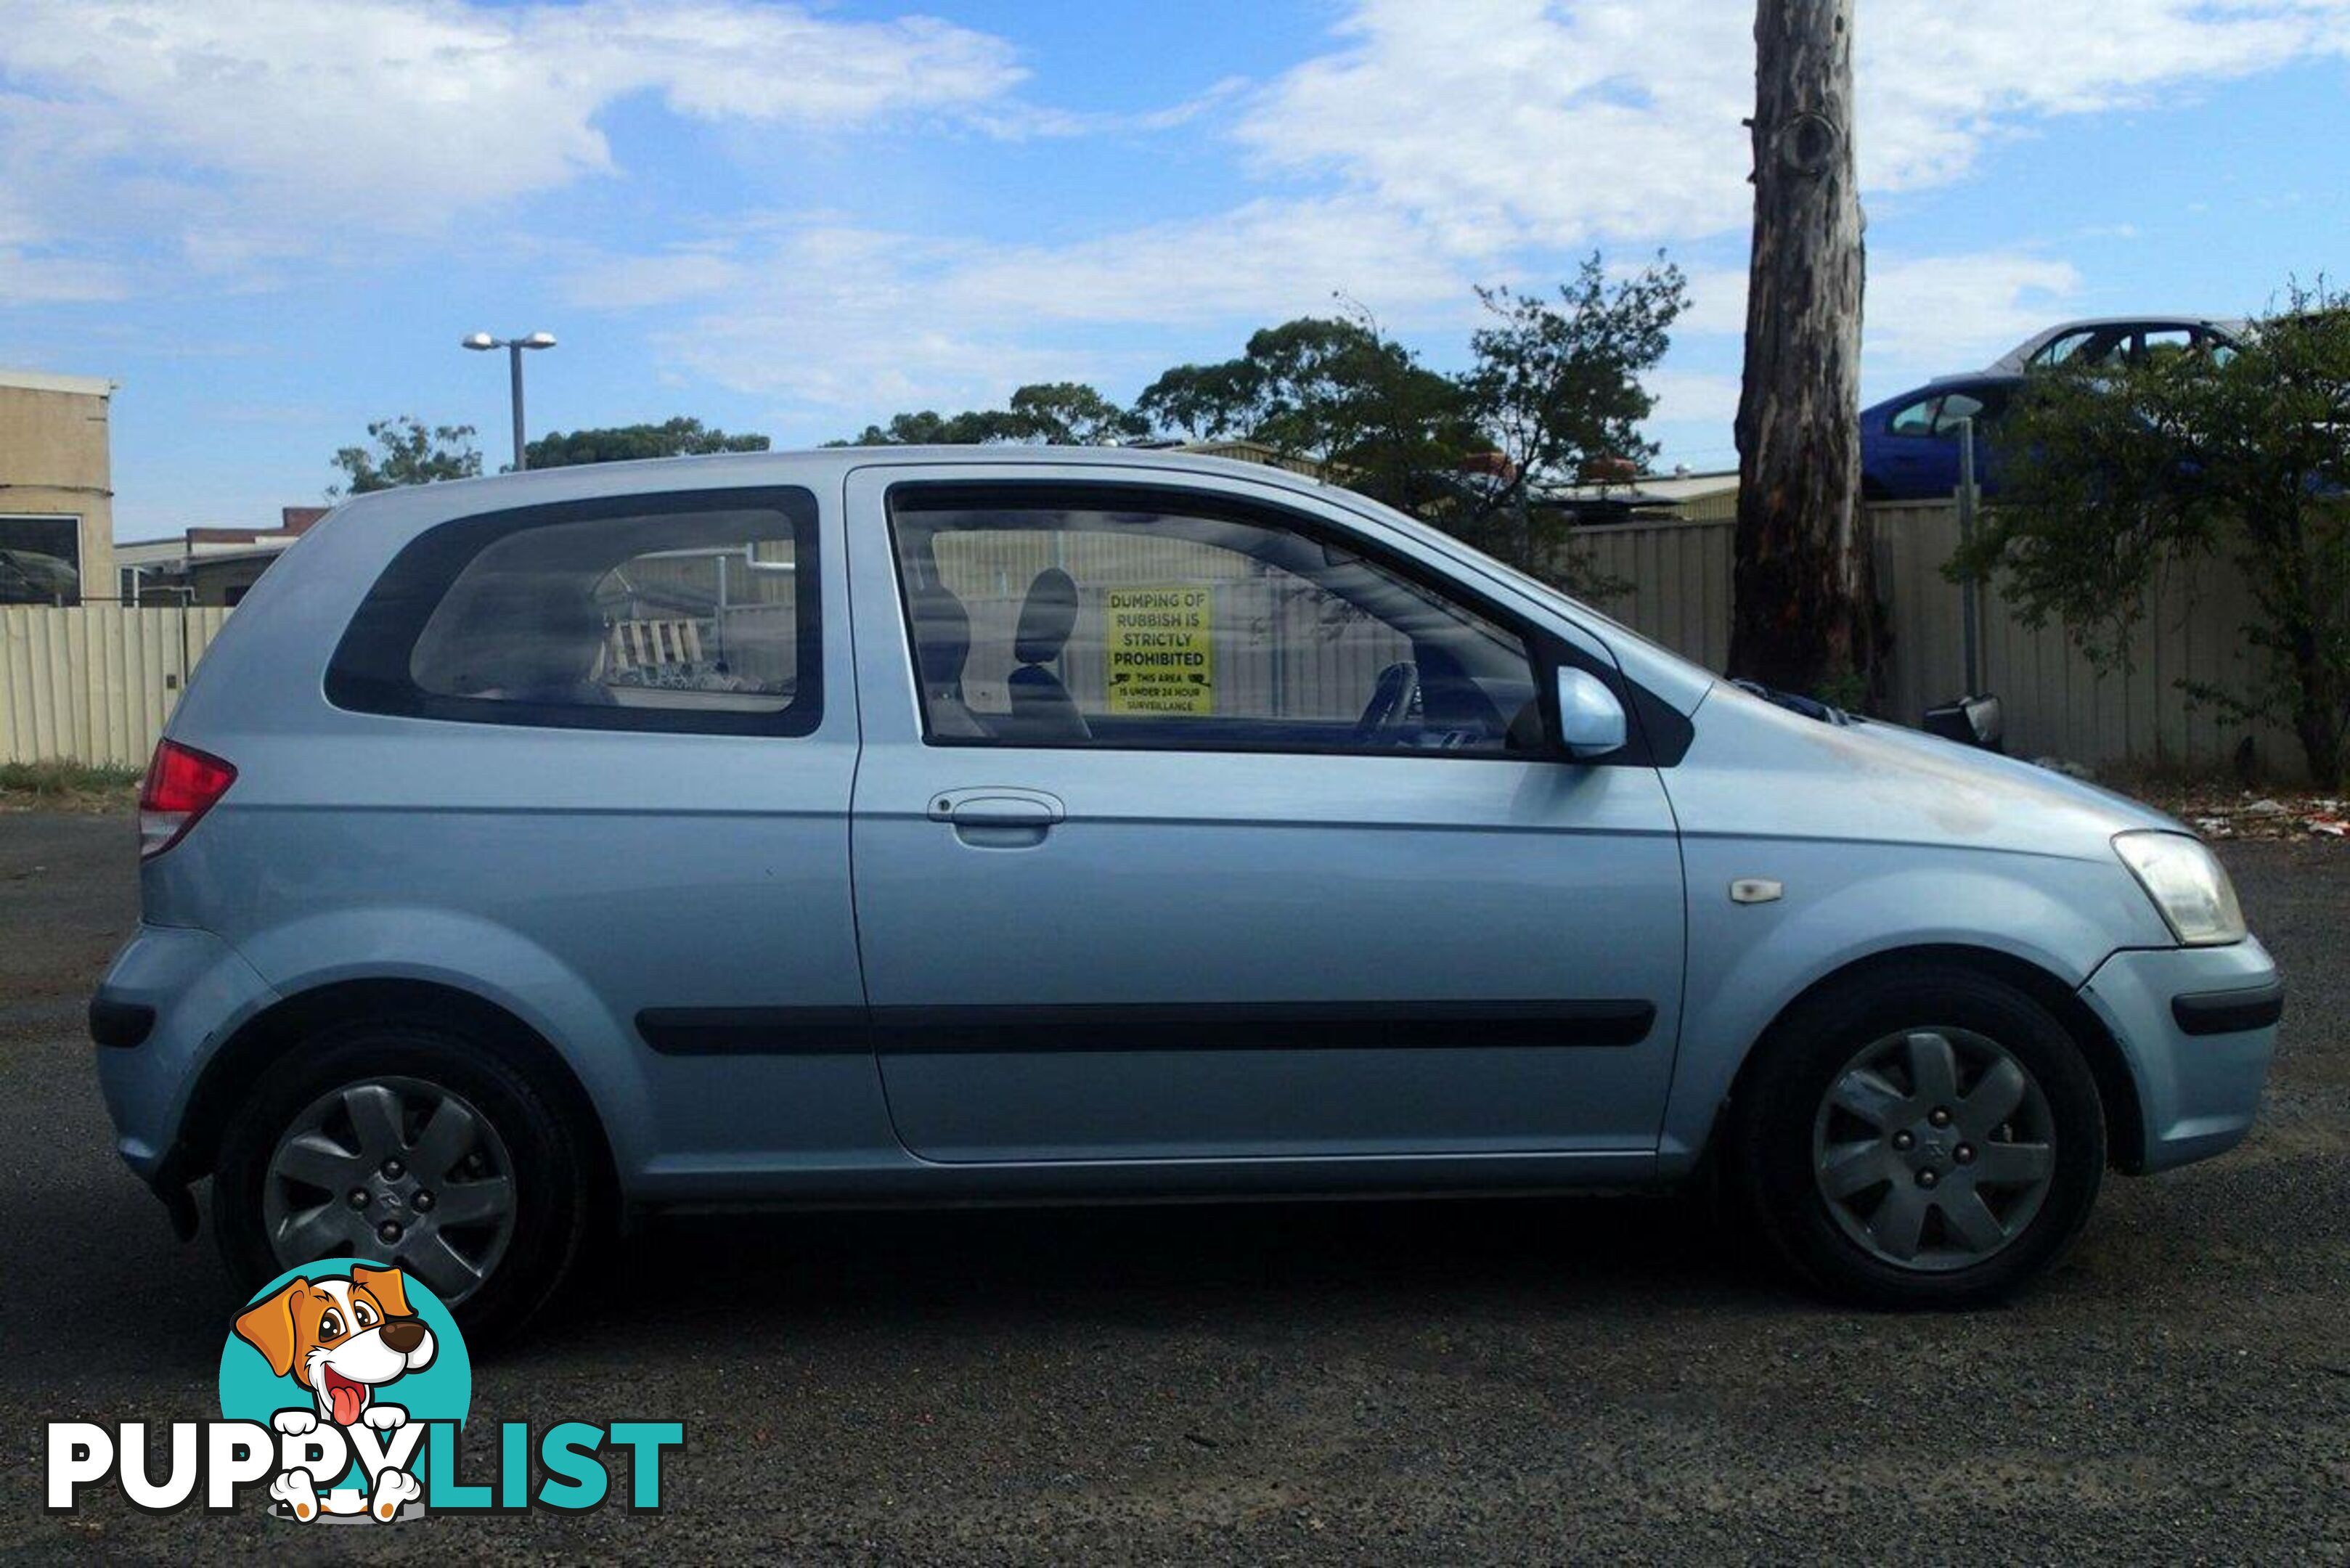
(1161, 658)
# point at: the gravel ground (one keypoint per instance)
(1522, 1380)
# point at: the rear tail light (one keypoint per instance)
(181, 784)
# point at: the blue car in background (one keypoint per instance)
(1910, 444)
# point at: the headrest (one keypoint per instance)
(1047, 617)
(941, 637)
(525, 631)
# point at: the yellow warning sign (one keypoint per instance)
(1162, 654)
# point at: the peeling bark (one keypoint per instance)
(1804, 594)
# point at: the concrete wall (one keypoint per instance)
(54, 462)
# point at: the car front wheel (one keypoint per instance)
(1925, 1137)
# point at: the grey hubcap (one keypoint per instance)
(1934, 1148)
(398, 1170)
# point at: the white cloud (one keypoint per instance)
(1430, 145)
(1717, 302)
(1693, 397)
(400, 113)
(1923, 313)
(1929, 314)
(839, 319)
(1498, 122)
(663, 277)
(32, 279)
(1264, 260)
(1507, 122)
(1939, 81)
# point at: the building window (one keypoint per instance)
(40, 560)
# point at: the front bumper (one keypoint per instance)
(169, 1000)
(2198, 1026)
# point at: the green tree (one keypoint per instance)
(1556, 384)
(1047, 413)
(679, 437)
(406, 453)
(1203, 402)
(2118, 475)
(1338, 391)
(1553, 382)
(1070, 413)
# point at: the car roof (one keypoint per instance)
(809, 466)
(1958, 382)
(2014, 358)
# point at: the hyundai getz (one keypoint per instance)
(955, 826)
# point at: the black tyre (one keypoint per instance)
(1925, 1137)
(410, 1144)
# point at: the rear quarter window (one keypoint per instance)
(689, 612)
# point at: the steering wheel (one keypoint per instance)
(1393, 698)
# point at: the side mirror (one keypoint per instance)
(1590, 719)
(1971, 722)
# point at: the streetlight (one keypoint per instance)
(514, 347)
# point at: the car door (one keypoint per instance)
(1918, 459)
(1201, 819)
(602, 749)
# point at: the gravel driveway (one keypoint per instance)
(1536, 1380)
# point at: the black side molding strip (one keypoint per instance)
(1205, 1026)
(120, 1026)
(2229, 1012)
(755, 1031)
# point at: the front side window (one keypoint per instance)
(2060, 348)
(1187, 622)
(1914, 420)
(1956, 406)
(645, 614)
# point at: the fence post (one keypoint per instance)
(1969, 605)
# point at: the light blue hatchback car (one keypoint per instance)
(1010, 824)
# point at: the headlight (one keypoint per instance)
(2187, 883)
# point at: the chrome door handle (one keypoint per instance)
(997, 807)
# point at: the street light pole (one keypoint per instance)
(514, 347)
(514, 366)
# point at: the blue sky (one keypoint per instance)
(271, 220)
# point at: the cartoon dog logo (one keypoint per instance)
(340, 1338)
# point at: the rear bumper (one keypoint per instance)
(2198, 1026)
(169, 1000)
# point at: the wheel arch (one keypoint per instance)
(2117, 1088)
(278, 1030)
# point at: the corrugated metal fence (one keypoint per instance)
(2056, 702)
(93, 685)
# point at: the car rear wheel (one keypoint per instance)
(409, 1145)
(1926, 1136)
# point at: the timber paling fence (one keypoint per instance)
(94, 684)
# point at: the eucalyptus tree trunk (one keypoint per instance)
(1803, 593)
